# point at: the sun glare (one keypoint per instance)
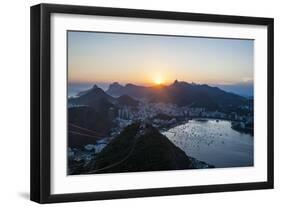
(158, 81)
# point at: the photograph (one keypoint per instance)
(151, 102)
(132, 103)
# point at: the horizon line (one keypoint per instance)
(249, 82)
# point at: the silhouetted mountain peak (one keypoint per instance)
(177, 83)
(93, 97)
(95, 86)
(96, 92)
(130, 85)
(115, 85)
(113, 88)
(179, 92)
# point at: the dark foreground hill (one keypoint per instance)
(140, 148)
(86, 126)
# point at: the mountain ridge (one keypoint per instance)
(180, 93)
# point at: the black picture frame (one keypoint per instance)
(41, 98)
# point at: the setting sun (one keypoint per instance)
(190, 96)
(158, 81)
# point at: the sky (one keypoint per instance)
(98, 57)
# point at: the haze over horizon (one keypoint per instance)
(103, 58)
(243, 89)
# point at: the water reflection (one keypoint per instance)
(214, 142)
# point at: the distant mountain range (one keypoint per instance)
(180, 93)
(99, 100)
(242, 89)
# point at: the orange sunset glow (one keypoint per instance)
(156, 60)
(139, 102)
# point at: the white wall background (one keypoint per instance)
(14, 103)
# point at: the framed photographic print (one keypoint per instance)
(132, 103)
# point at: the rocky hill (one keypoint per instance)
(140, 148)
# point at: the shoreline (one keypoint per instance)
(205, 119)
